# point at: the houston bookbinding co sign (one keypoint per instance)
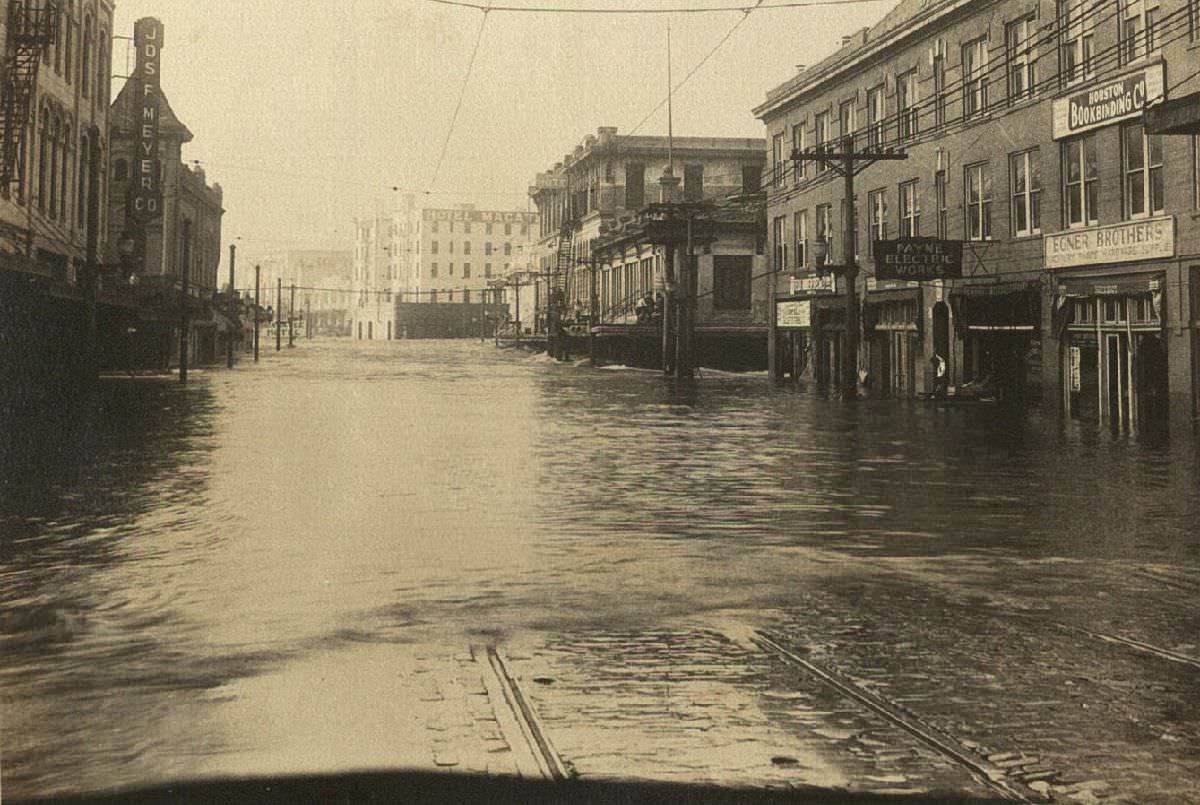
(1102, 104)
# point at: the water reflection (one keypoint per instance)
(347, 495)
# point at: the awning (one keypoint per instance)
(875, 313)
(991, 311)
(829, 313)
(1111, 286)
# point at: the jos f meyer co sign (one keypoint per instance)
(1108, 102)
(918, 259)
(1151, 239)
(145, 192)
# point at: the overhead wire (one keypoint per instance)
(652, 10)
(462, 92)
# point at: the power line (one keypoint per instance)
(656, 10)
(331, 180)
(461, 94)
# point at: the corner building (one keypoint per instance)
(1023, 125)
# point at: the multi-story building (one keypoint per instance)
(434, 256)
(1022, 123)
(43, 210)
(607, 180)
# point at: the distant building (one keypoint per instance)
(43, 212)
(323, 281)
(1024, 132)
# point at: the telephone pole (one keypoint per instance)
(843, 159)
(93, 250)
(291, 318)
(185, 322)
(232, 303)
(257, 307)
(278, 313)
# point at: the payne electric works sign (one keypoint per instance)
(1108, 102)
(918, 259)
(145, 190)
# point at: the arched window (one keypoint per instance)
(81, 184)
(121, 170)
(102, 71)
(68, 39)
(85, 61)
(43, 157)
(68, 146)
(58, 42)
(52, 179)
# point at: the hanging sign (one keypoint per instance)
(145, 188)
(793, 315)
(1107, 103)
(918, 259)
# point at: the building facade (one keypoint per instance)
(1022, 124)
(43, 211)
(609, 177)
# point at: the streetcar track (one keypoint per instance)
(549, 762)
(1138, 645)
(992, 776)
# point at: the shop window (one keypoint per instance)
(906, 105)
(1025, 181)
(1142, 166)
(977, 187)
(975, 77)
(731, 282)
(1076, 39)
(1020, 44)
(875, 115)
(1084, 312)
(910, 210)
(1112, 310)
(877, 225)
(1142, 310)
(1081, 181)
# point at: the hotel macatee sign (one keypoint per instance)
(481, 216)
(1148, 239)
(1107, 102)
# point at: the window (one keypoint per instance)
(824, 224)
(877, 210)
(433, 270)
(778, 240)
(906, 103)
(487, 270)
(751, 178)
(1019, 42)
(85, 59)
(466, 271)
(1076, 39)
(800, 237)
(433, 227)
(974, 67)
(1081, 181)
(507, 249)
(487, 230)
(487, 247)
(875, 115)
(1193, 12)
(821, 133)
(910, 210)
(466, 227)
(635, 185)
(467, 245)
(798, 145)
(433, 247)
(693, 182)
(1137, 29)
(1025, 183)
(943, 212)
(450, 243)
(508, 229)
(846, 119)
(450, 269)
(68, 64)
(939, 86)
(731, 281)
(1196, 170)
(777, 159)
(1142, 166)
(977, 189)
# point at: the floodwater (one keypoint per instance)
(343, 497)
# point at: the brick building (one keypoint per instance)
(1022, 122)
(43, 213)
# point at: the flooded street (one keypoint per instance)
(250, 574)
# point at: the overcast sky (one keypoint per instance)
(308, 112)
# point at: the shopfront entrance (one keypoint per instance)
(1115, 366)
(894, 342)
(1000, 342)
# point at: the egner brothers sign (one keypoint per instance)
(918, 259)
(1151, 239)
(145, 192)
(1102, 104)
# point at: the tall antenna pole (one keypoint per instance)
(670, 104)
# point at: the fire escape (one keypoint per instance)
(32, 27)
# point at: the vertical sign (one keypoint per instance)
(1076, 369)
(145, 189)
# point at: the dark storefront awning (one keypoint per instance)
(997, 311)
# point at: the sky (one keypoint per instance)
(309, 112)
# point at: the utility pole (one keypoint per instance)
(686, 322)
(185, 322)
(308, 327)
(92, 270)
(257, 307)
(292, 318)
(232, 302)
(593, 310)
(848, 162)
(668, 308)
(278, 313)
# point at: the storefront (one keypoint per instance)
(892, 324)
(801, 353)
(998, 328)
(1115, 350)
